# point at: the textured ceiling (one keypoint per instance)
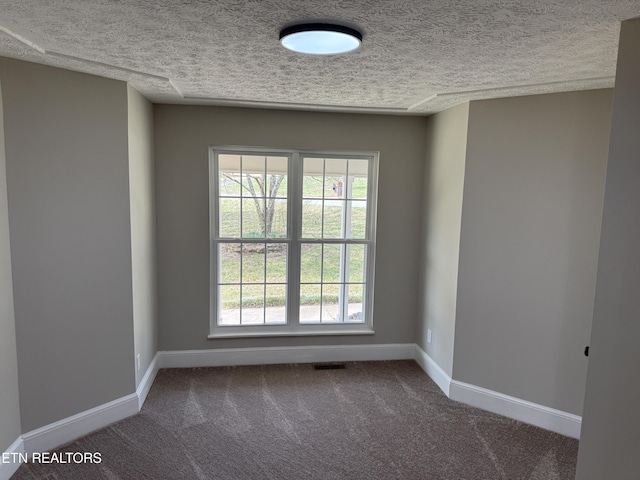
(417, 57)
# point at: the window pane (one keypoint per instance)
(253, 169)
(335, 176)
(309, 303)
(276, 295)
(358, 171)
(229, 162)
(310, 263)
(229, 184)
(356, 263)
(330, 308)
(276, 263)
(229, 262)
(253, 185)
(253, 206)
(277, 177)
(252, 224)
(357, 226)
(275, 218)
(229, 218)
(333, 219)
(229, 305)
(312, 219)
(313, 177)
(253, 258)
(355, 293)
(229, 175)
(252, 304)
(331, 263)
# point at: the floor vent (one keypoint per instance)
(329, 366)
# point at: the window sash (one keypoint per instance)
(293, 241)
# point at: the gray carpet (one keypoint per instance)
(372, 420)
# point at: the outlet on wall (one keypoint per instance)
(137, 362)
(428, 335)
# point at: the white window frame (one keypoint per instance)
(294, 241)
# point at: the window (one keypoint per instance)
(292, 242)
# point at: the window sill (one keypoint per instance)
(304, 333)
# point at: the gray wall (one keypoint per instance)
(9, 398)
(533, 193)
(143, 251)
(68, 194)
(182, 138)
(611, 422)
(442, 214)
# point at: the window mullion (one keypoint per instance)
(214, 228)
(324, 181)
(343, 305)
(241, 269)
(264, 279)
(266, 239)
(294, 206)
(343, 300)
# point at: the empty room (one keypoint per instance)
(324, 240)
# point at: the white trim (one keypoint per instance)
(16, 449)
(314, 331)
(56, 434)
(294, 240)
(435, 371)
(147, 381)
(68, 429)
(532, 413)
(548, 418)
(274, 355)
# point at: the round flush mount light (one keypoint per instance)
(320, 38)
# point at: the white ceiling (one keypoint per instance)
(417, 56)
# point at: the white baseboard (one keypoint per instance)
(147, 381)
(275, 355)
(532, 413)
(68, 429)
(511, 407)
(15, 452)
(437, 374)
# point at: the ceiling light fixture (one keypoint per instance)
(320, 38)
